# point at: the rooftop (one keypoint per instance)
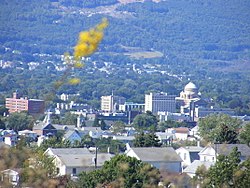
(156, 154)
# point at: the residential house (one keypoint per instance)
(59, 151)
(11, 139)
(10, 176)
(124, 139)
(164, 158)
(165, 138)
(72, 161)
(210, 152)
(94, 132)
(28, 134)
(194, 132)
(72, 136)
(44, 128)
(188, 154)
(191, 169)
(181, 133)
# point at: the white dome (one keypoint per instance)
(190, 87)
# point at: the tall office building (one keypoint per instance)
(111, 103)
(160, 102)
(18, 104)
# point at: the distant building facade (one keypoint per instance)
(160, 102)
(18, 104)
(201, 112)
(111, 103)
(130, 106)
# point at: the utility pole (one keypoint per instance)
(95, 156)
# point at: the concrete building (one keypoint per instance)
(18, 104)
(201, 112)
(160, 102)
(130, 106)
(111, 103)
(189, 99)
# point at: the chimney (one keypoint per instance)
(198, 143)
(78, 124)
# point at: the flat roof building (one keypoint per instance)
(160, 102)
(17, 104)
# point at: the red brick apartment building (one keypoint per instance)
(17, 104)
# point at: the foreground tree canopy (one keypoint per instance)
(121, 171)
(228, 171)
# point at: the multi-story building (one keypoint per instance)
(111, 103)
(160, 102)
(18, 104)
(130, 106)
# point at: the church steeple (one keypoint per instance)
(47, 119)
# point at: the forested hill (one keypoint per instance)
(182, 30)
(167, 42)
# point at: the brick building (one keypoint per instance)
(18, 104)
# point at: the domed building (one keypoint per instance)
(189, 98)
(190, 91)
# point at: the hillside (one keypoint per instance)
(168, 41)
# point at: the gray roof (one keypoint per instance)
(69, 151)
(193, 148)
(69, 133)
(118, 137)
(86, 160)
(194, 165)
(98, 129)
(225, 149)
(157, 154)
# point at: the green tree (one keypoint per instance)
(2, 124)
(228, 172)
(103, 125)
(145, 121)
(69, 119)
(19, 121)
(121, 171)
(118, 127)
(211, 128)
(3, 111)
(146, 140)
(227, 136)
(245, 134)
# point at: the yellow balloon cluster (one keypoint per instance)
(89, 40)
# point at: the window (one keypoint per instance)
(57, 170)
(185, 156)
(74, 171)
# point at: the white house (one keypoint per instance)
(73, 164)
(195, 132)
(188, 154)
(124, 139)
(11, 176)
(10, 139)
(164, 158)
(181, 133)
(210, 152)
(72, 161)
(66, 151)
(164, 137)
(28, 134)
(191, 169)
(94, 132)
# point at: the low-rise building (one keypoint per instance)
(164, 158)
